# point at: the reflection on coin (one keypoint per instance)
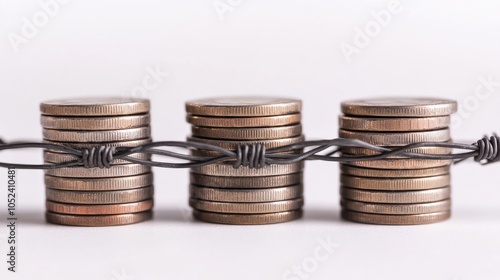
(247, 208)
(100, 197)
(95, 123)
(95, 107)
(382, 219)
(397, 139)
(247, 219)
(243, 106)
(270, 121)
(246, 195)
(99, 184)
(396, 209)
(401, 163)
(395, 184)
(97, 136)
(247, 133)
(232, 145)
(246, 182)
(94, 172)
(98, 220)
(227, 170)
(393, 124)
(400, 107)
(421, 196)
(394, 173)
(53, 157)
(108, 209)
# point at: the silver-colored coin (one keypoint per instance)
(95, 123)
(395, 184)
(80, 145)
(98, 220)
(53, 157)
(421, 196)
(247, 219)
(401, 163)
(228, 170)
(396, 209)
(247, 133)
(393, 124)
(270, 121)
(97, 136)
(397, 139)
(246, 182)
(246, 195)
(382, 219)
(95, 172)
(95, 107)
(100, 197)
(421, 150)
(247, 208)
(394, 173)
(400, 107)
(97, 209)
(99, 184)
(232, 145)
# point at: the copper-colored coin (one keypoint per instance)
(395, 184)
(99, 220)
(401, 163)
(109, 209)
(400, 107)
(247, 133)
(100, 197)
(95, 107)
(382, 219)
(421, 150)
(243, 106)
(82, 145)
(246, 182)
(53, 157)
(270, 121)
(99, 184)
(394, 173)
(421, 196)
(247, 208)
(393, 124)
(95, 123)
(247, 219)
(397, 139)
(95, 172)
(232, 145)
(227, 170)
(97, 136)
(396, 209)
(246, 195)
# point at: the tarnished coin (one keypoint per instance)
(108, 209)
(232, 145)
(113, 171)
(382, 219)
(80, 145)
(400, 107)
(98, 220)
(53, 157)
(227, 170)
(247, 219)
(270, 121)
(95, 123)
(247, 133)
(396, 209)
(95, 107)
(246, 182)
(100, 197)
(421, 196)
(247, 208)
(246, 195)
(397, 139)
(394, 173)
(401, 163)
(99, 184)
(395, 184)
(243, 106)
(393, 124)
(97, 136)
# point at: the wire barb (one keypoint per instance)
(488, 149)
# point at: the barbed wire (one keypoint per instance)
(484, 151)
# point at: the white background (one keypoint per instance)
(281, 48)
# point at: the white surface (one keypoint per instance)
(283, 48)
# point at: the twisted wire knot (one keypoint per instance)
(101, 157)
(253, 156)
(488, 149)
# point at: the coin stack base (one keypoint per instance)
(396, 190)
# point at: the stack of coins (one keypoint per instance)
(396, 191)
(220, 193)
(80, 196)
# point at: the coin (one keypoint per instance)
(395, 184)
(397, 139)
(95, 107)
(95, 123)
(246, 182)
(247, 208)
(246, 195)
(400, 107)
(243, 106)
(99, 184)
(382, 219)
(394, 173)
(108, 209)
(421, 196)
(247, 219)
(53, 157)
(100, 197)
(396, 209)
(98, 220)
(270, 121)
(401, 163)
(232, 145)
(227, 170)
(97, 136)
(393, 124)
(247, 133)
(81, 145)
(421, 150)
(113, 171)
